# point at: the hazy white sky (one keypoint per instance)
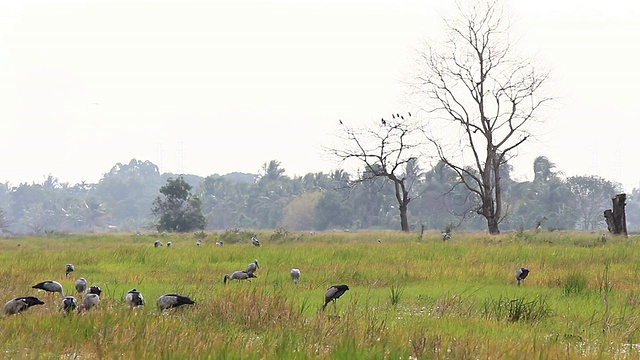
(204, 87)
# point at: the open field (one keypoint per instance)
(409, 297)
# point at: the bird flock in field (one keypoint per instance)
(90, 295)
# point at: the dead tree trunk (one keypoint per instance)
(616, 218)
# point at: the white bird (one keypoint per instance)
(89, 301)
(69, 303)
(521, 274)
(134, 298)
(219, 243)
(49, 286)
(198, 242)
(168, 301)
(254, 241)
(168, 243)
(333, 293)
(81, 285)
(68, 269)
(239, 275)
(445, 236)
(252, 267)
(295, 275)
(20, 304)
(157, 243)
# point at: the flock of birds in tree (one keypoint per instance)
(90, 295)
(384, 122)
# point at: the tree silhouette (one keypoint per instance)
(179, 211)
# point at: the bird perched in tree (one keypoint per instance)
(81, 285)
(333, 293)
(69, 303)
(254, 241)
(134, 298)
(521, 274)
(68, 269)
(168, 301)
(49, 286)
(239, 275)
(89, 301)
(20, 304)
(95, 290)
(295, 275)
(384, 122)
(252, 267)
(157, 243)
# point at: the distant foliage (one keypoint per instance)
(179, 211)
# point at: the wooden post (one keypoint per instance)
(616, 219)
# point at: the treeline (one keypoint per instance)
(122, 201)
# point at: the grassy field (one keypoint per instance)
(409, 297)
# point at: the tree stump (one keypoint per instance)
(616, 218)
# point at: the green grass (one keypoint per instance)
(408, 297)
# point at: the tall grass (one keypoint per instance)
(409, 296)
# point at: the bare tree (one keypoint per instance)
(387, 150)
(472, 83)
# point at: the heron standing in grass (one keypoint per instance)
(254, 240)
(295, 275)
(521, 274)
(68, 269)
(333, 293)
(49, 286)
(69, 303)
(252, 267)
(134, 298)
(168, 301)
(81, 285)
(157, 243)
(239, 275)
(90, 300)
(20, 304)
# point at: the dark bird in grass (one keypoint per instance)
(252, 267)
(239, 275)
(69, 303)
(333, 293)
(446, 236)
(49, 286)
(157, 243)
(521, 274)
(254, 241)
(295, 275)
(95, 290)
(89, 301)
(68, 269)
(81, 285)
(168, 243)
(168, 301)
(20, 304)
(198, 242)
(134, 298)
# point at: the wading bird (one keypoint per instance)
(333, 293)
(95, 290)
(219, 243)
(69, 303)
(168, 301)
(49, 286)
(295, 275)
(20, 304)
(81, 285)
(603, 238)
(446, 236)
(239, 275)
(198, 242)
(89, 301)
(157, 243)
(252, 267)
(168, 243)
(68, 269)
(134, 298)
(521, 274)
(254, 241)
